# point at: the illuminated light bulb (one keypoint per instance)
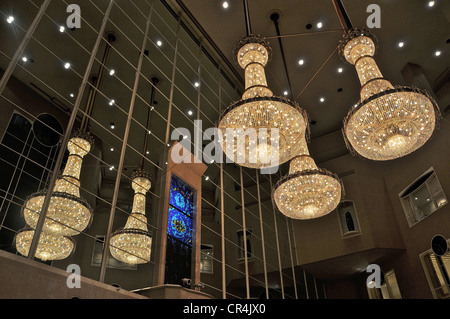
(133, 243)
(375, 128)
(62, 29)
(10, 19)
(67, 65)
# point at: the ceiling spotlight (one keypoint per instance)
(301, 62)
(62, 29)
(225, 4)
(401, 44)
(112, 102)
(72, 95)
(322, 99)
(190, 113)
(206, 178)
(431, 3)
(196, 84)
(113, 126)
(112, 149)
(111, 168)
(437, 53)
(319, 25)
(67, 65)
(112, 72)
(286, 93)
(24, 59)
(10, 19)
(159, 43)
(340, 70)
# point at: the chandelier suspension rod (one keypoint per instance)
(97, 82)
(302, 33)
(247, 19)
(342, 15)
(155, 81)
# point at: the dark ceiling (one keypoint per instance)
(423, 29)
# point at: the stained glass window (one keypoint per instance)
(181, 209)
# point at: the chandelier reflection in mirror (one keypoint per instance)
(50, 247)
(307, 192)
(133, 243)
(68, 214)
(389, 122)
(273, 125)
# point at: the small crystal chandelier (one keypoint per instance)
(50, 247)
(274, 125)
(307, 192)
(133, 243)
(68, 214)
(388, 122)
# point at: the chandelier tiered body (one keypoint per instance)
(389, 122)
(67, 215)
(261, 130)
(307, 192)
(133, 243)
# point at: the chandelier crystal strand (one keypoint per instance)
(261, 130)
(307, 192)
(68, 214)
(388, 122)
(133, 243)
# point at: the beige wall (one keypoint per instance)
(374, 188)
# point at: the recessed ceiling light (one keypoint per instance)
(196, 84)
(319, 25)
(112, 149)
(67, 65)
(147, 152)
(190, 112)
(431, 3)
(10, 19)
(72, 95)
(437, 53)
(301, 62)
(112, 102)
(225, 4)
(113, 126)
(111, 168)
(340, 70)
(285, 92)
(24, 59)
(206, 178)
(401, 44)
(159, 43)
(322, 99)
(112, 72)
(62, 29)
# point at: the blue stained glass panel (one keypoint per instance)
(179, 226)
(181, 210)
(181, 196)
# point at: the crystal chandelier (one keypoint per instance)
(68, 214)
(50, 247)
(388, 122)
(307, 192)
(261, 130)
(133, 243)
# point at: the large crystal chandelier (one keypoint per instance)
(68, 214)
(50, 247)
(307, 192)
(388, 122)
(133, 243)
(261, 130)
